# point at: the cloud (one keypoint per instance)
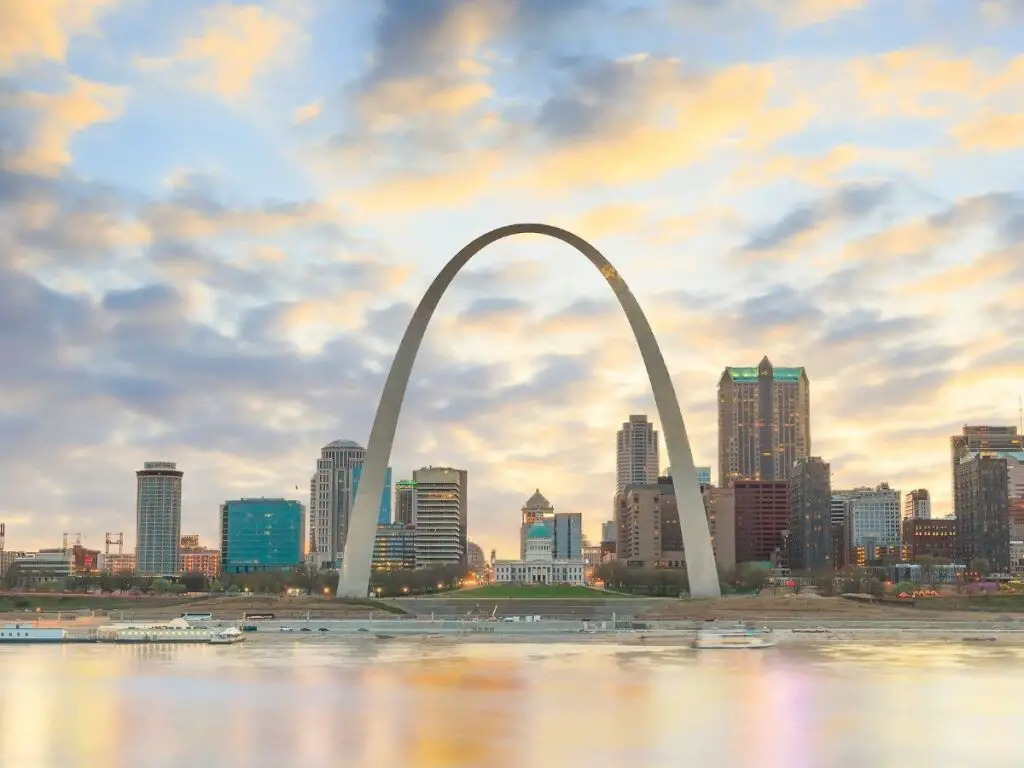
(41, 30)
(237, 44)
(796, 14)
(992, 132)
(55, 118)
(307, 113)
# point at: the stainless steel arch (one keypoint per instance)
(355, 570)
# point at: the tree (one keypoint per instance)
(194, 582)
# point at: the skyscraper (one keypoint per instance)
(764, 422)
(636, 453)
(810, 506)
(872, 528)
(330, 500)
(260, 535)
(568, 539)
(157, 518)
(441, 501)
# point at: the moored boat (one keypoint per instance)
(229, 636)
(29, 633)
(750, 638)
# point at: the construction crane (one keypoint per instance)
(78, 540)
(115, 538)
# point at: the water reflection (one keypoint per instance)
(328, 702)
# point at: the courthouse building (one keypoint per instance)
(538, 565)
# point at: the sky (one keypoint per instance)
(216, 219)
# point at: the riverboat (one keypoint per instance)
(229, 636)
(722, 640)
(29, 633)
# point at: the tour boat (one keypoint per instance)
(229, 636)
(27, 633)
(722, 640)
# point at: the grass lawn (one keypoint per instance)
(532, 592)
(73, 602)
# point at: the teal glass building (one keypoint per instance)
(260, 535)
(384, 515)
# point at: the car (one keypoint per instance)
(323, 629)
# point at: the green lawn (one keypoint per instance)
(532, 592)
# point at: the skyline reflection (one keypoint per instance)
(326, 702)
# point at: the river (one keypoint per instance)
(324, 701)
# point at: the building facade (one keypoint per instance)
(157, 518)
(720, 504)
(649, 535)
(762, 518)
(926, 537)
(193, 557)
(764, 422)
(330, 499)
(46, 565)
(441, 504)
(568, 538)
(475, 558)
(872, 528)
(810, 509)
(405, 496)
(982, 507)
(703, 475)
(394, 548)
(384, 513)
(636, 453)
(540, 566)
(537, 509)
(260, 535)
(117, 563)
(918, 505)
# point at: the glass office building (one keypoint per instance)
(384, 516)
(260, 535)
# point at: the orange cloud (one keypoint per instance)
(59, 116)
(33, 30)
(237, 44)
(805, 13)
(992, 132)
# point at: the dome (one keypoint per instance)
(538, 531)
(344, 444)
(537, 501)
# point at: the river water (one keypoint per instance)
(322, 701)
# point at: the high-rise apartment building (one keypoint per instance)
(810, 508)
(762, 517)
(330, 500)
(764, 422)
(260, 535)
(918, 505)
(441, 504)
(157, 518)
(873, 523)
(649, 534)
(404, 497)
(636, 453)
(980, 455)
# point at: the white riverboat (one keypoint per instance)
(229, 636)
(173, 631)
(29, 633)
(729, 639)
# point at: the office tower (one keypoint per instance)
(762, 515)
(649, 535)
(609, 531)
(636, 453)
(873, 523)
(158, 518)
(982, 504)
(260, 535)
(537, 509)
(764, 422)
(404, 496)
(918, 505)
(703, 475)
(568, 539)
(810, 509)
(441, 502)
(330, 499)
(384, 515)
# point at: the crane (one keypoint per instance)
(115, 538)
(78, 539)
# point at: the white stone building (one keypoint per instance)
(539, 565)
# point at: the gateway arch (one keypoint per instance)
(355, 571)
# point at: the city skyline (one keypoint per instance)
(208, 256)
